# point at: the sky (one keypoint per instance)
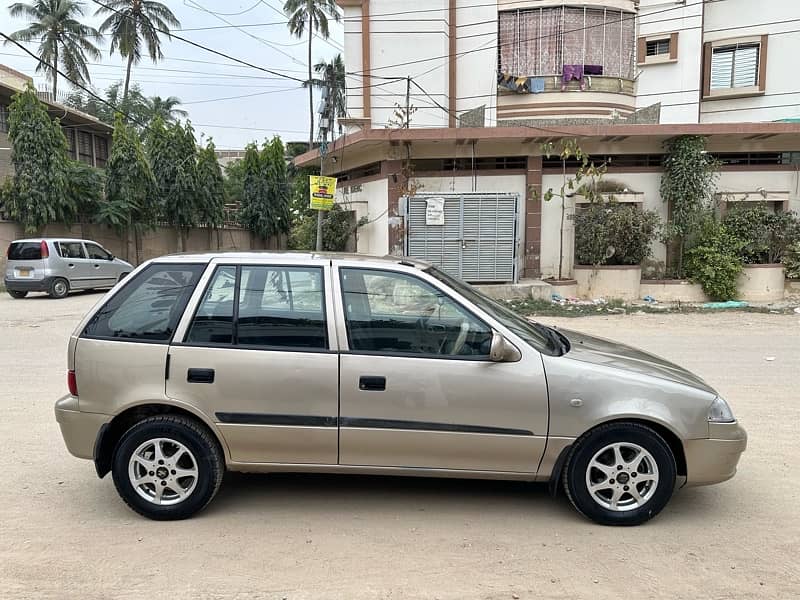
(232, 103)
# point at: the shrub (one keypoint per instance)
(715, 261)
(766, 235)
(613, 234)
(791, 260)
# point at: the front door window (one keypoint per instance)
(395, 313)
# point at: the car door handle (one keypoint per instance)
(200, 376)
(71, 265)
(372, 384)
(97, 266)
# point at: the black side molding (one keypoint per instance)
(266, 419)
(428, 426)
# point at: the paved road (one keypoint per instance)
(65, 534)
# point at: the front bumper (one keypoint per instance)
(28, 285)
(714, 460)
(79, 429)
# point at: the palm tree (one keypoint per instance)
(63, 40)
(134, 23)
(166, 108)
(333, 77)
(313, 15)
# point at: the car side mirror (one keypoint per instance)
(501, 350)
(111, 257)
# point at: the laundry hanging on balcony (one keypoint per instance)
(570, 73)
(521, 85)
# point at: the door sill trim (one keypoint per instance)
(247, 467)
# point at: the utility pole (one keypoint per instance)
(408, 101)
(325, 125)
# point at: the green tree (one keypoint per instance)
(586, 181)
(135, 105)
(332, 77)
(310, 16)
(234, 181)
(134, 26)
(211, 191)
(63, 40)
(173, 155)
(265, 190)
(129, 205)
(165, 108)
(84, 191)
(687, 185)
(39, 156)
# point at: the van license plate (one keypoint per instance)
(24, 272)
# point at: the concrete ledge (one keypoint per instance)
(673, 290)
(525, 290)
(608, 282)
(792, 288)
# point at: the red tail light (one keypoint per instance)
(72, 383)
(45, 250)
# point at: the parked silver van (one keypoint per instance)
(58, 265)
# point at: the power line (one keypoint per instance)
(242, 96)
(335, 45)
(202, 47)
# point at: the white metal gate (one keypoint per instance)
(477, 241)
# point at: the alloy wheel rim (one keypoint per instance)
(163, 471)
(622, 476)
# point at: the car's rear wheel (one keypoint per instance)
(59, 288)
(167, 467)
(17, 294)
(620, 474)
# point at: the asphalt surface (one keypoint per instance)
(64, 533)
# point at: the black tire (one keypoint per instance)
(16, 294)
(59, 288)
(203, 449)
(655, 494)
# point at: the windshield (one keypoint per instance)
(541, 337)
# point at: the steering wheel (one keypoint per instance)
(458, 345)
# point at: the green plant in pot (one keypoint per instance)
(767, 236)
(613, 234)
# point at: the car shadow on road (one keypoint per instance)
(364, 494)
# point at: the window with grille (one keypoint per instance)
(69, 133)
(657, 47)
(85, 147)
(3, 119)
(100, 151)
(541, 41)
(735, 66)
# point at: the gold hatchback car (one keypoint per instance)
(258, 362)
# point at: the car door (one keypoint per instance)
(104, 272)
(417, 388)
(75, 265)
(259, 357)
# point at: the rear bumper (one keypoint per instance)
(79, 429)
(28, 285)
(715, 459)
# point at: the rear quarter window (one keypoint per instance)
(149, 307)
(25, 251)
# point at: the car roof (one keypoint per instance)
(51, 239)
(308, 256)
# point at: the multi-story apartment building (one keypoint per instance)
(489, 82)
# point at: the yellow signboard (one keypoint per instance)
(323, 190)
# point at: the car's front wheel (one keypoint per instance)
(167, 467)
(620, 474)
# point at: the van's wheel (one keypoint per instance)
(59, 288)
(167, 467)
(16, 294)
(620, 474)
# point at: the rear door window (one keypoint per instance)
(25, 251)
(70, 250)
(148, 307)
(270, 307)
